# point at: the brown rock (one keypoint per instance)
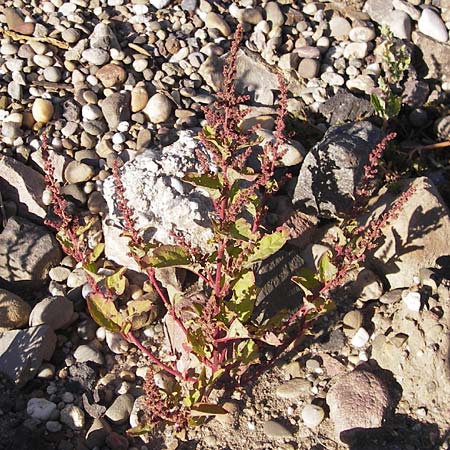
(111, 75)
(358, 400)
(14, 312)
(16, 23)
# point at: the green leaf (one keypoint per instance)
(237, 329)
(244, 295)
(247, 352)
(104, 313)
(140, 430)
(117, 281)
(241, 230)
(138, 306)
(95, 254)
(327, 270)
(207, 409)
(83, 228)
(306, 280)
(169, 256)
(209, 182)
(268, 245)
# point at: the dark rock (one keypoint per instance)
(116, 108)
(27, 252)
(82, 377)
(23, 351)
(345, 107)
(331, 170)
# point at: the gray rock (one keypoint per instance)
(103, 38)
(116, 343)
(77, 172)
(275, 430)
(295, 388)
(331, 170)
(251, 72)
(345, 107)
(23, 351)
(358, 400)
(378, 9)
(312, 415)
(120, 410)
(274, 15)
(57, 312)
(84, 353)
(340, 27)
(399, 23)
(24, 186)
(96, 56)
(308, 68)
(27, 252)
(417, 238)
(40, 409)
(14, 312)
(116, 109)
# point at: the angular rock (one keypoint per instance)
(417, 238)
(40, 408)
(358, 400)
(96, 435)
(23, 351)
(160, 200)
(331, 170)
(103, 37)
(120, 410)
(14, 312)
(345, 107)
(253, 77)
(27, 252)
(57, 312)
(116, 109)
(24, 186)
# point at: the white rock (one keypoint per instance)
(356, 50)
(40, 408)
(362, 34)
(91, 112)
(412, 300)
(73, 417)
(156, 203)
(159, 4)
(399, 23)
(116, 343)
(158, 108)
(312, 415)
(431, 24)
(360, 338)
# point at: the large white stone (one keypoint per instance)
(161, 202)
(431, 24)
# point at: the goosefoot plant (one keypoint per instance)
(221, 346)
(395, 62)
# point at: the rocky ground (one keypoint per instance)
(125, 80)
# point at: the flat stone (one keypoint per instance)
(275, 430)
(16, 23)
(119, 412)
(24, 186)
(295, 388)
(27, 252)
(357, 400)
(77, 172)
(23, 351)
(57, 312)
(400, 257)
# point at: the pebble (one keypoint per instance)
(121, 408)
(96, 56)
(275, 430)
(116, 343)
(14, 311)
(77, 172)
(312, 415)
(353, 319)
(53, 426)
(431, 24)
(214, 20)
(412, 300)
(84, 353)
(158, 108)
(361, 338)
(111, 75)
(308, 68)
(56, 312)
(362, 34)
(340, 28)
(73, 417)
(42, 110)
(356, 50)
(40, 408)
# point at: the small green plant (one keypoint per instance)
(221, 345)
(386, 101)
